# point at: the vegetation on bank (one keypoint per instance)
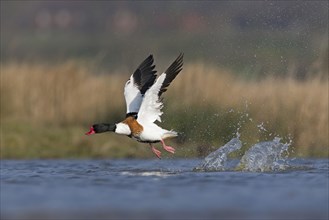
(46, 109)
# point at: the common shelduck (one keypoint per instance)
(143, 99)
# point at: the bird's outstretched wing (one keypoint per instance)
(150, 109)
(172, 72)
(139, 82)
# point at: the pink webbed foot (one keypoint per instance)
(168, 148)
(156, 152)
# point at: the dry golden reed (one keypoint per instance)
(66, 94)
(71, 93)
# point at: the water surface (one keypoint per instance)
(67, 189)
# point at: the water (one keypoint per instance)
(218, 160)
(266, 156)
(261, 157)
(160, 189)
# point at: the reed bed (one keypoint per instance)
(207, 104)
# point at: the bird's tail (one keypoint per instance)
(169, 134)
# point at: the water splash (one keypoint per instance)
(217, 160)
(265, 157)
(261, 127)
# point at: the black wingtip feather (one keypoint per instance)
(145, 75)
(172, 72)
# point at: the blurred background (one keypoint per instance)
(259, 68)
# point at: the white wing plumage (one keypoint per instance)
(133, 96)
(139, 82)
(150, 109)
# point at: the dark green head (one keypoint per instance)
(100, 128)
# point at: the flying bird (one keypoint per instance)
(142, 93)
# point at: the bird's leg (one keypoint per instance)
(168, 148)
(155, 151)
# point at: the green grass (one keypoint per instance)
(201, 132)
